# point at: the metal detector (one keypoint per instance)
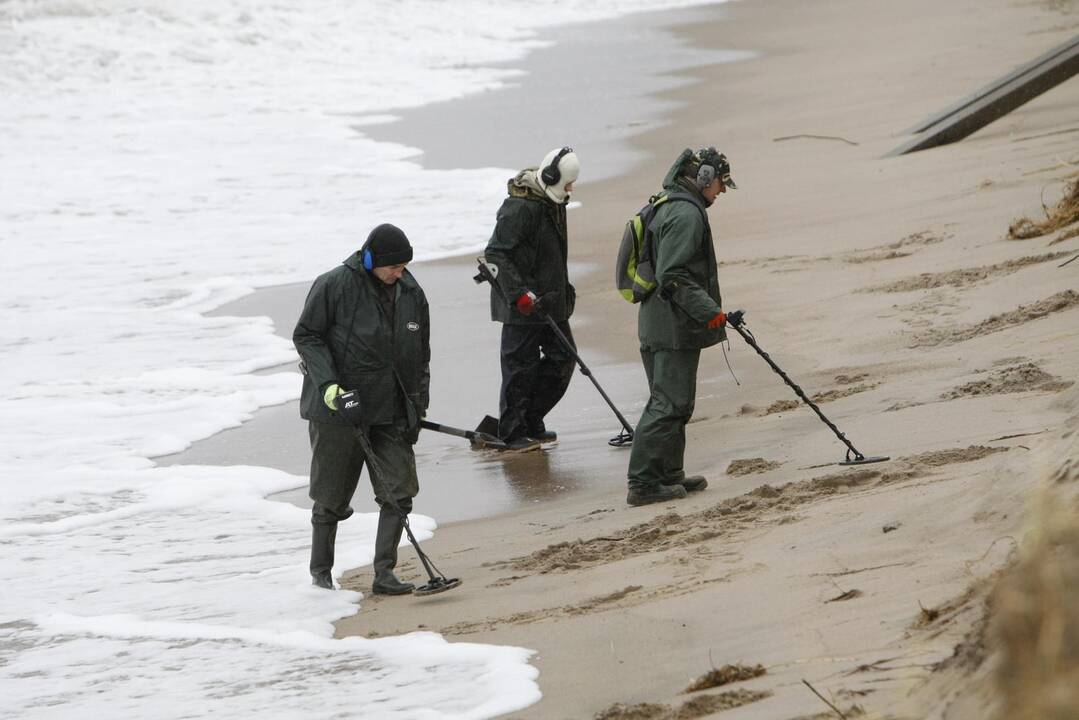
(436, 583)
(734, 320)
(480, 439)
(489, 273)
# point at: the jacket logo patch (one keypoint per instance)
(413, 326)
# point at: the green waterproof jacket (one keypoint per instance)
(676, 315)
(529, 246)
(344, 336)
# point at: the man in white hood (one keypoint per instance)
(529, 246)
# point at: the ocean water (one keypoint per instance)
(159, 158)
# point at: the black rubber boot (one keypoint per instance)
(692, 483)
(522, 444)
(390, 527)
(655, 494)
(323, 537)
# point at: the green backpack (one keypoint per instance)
(635, 272)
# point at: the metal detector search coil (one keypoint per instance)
(736, 321)
(436, 581)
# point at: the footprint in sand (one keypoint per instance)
(820, 397)
(1059, 302)
(1022, 377)
(671, 531)
(749, 466)
(963, 277)
(893, 251)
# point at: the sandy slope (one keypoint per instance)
(889, 289)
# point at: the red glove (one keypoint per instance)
(526, 304)
(720, 320)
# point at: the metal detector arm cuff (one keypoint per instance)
(486, 273)
(490, 272)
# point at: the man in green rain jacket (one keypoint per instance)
(364, 328)
(675, 322)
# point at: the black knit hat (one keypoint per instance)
(387, 245)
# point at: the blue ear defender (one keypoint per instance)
(368, 258)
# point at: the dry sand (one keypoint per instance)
(890, 290)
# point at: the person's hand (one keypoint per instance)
(350, 408)
(526, 303)
(720, 320)
(734, 318)
(330, 396)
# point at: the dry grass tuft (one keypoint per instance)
(698, 707)
(639, 711)
(1066, 235)
(725, 675)
(1035, 622)
(748, 466)
(1062, 214)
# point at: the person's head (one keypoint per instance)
(711, 173)
(558, 172)
(386, 253)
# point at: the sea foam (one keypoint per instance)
(158, 159)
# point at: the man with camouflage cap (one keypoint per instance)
(675, 322)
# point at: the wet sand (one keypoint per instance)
(868, 582)
(595, 86)
(457, 482)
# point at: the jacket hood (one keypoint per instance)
(525, 183)
(669, 181)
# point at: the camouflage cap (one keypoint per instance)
(709, 157)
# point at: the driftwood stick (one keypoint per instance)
(1017, 435)
(814, 137)
(837, 710)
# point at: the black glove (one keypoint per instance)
(734, 318)
(412, 434)
(348, 405)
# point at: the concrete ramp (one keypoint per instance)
(995, 100)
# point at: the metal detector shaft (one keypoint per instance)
(748, 337)
(375, 471)
(481, 439)
(584, 368)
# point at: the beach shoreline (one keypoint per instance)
(815, 572)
